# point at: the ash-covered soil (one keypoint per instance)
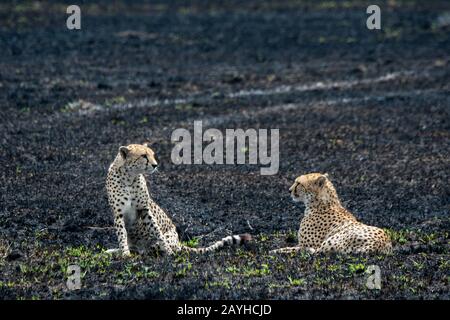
(370, 108)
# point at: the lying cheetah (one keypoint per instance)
(327, 225)
(140, 223)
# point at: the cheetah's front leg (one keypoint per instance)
(121, 231)
(292, 250)
(285, 250)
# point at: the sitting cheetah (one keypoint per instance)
(140, 223)
(327, 225)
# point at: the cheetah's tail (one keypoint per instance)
(227, 241)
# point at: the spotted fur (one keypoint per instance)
(327, 225)
(140, 223)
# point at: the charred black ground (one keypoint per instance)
(371, 108)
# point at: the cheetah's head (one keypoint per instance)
(138, 159)
(312, 186)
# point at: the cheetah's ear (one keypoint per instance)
(124, 152)
(320, 182)
(147, 144)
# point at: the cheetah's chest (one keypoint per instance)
(129, 210)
